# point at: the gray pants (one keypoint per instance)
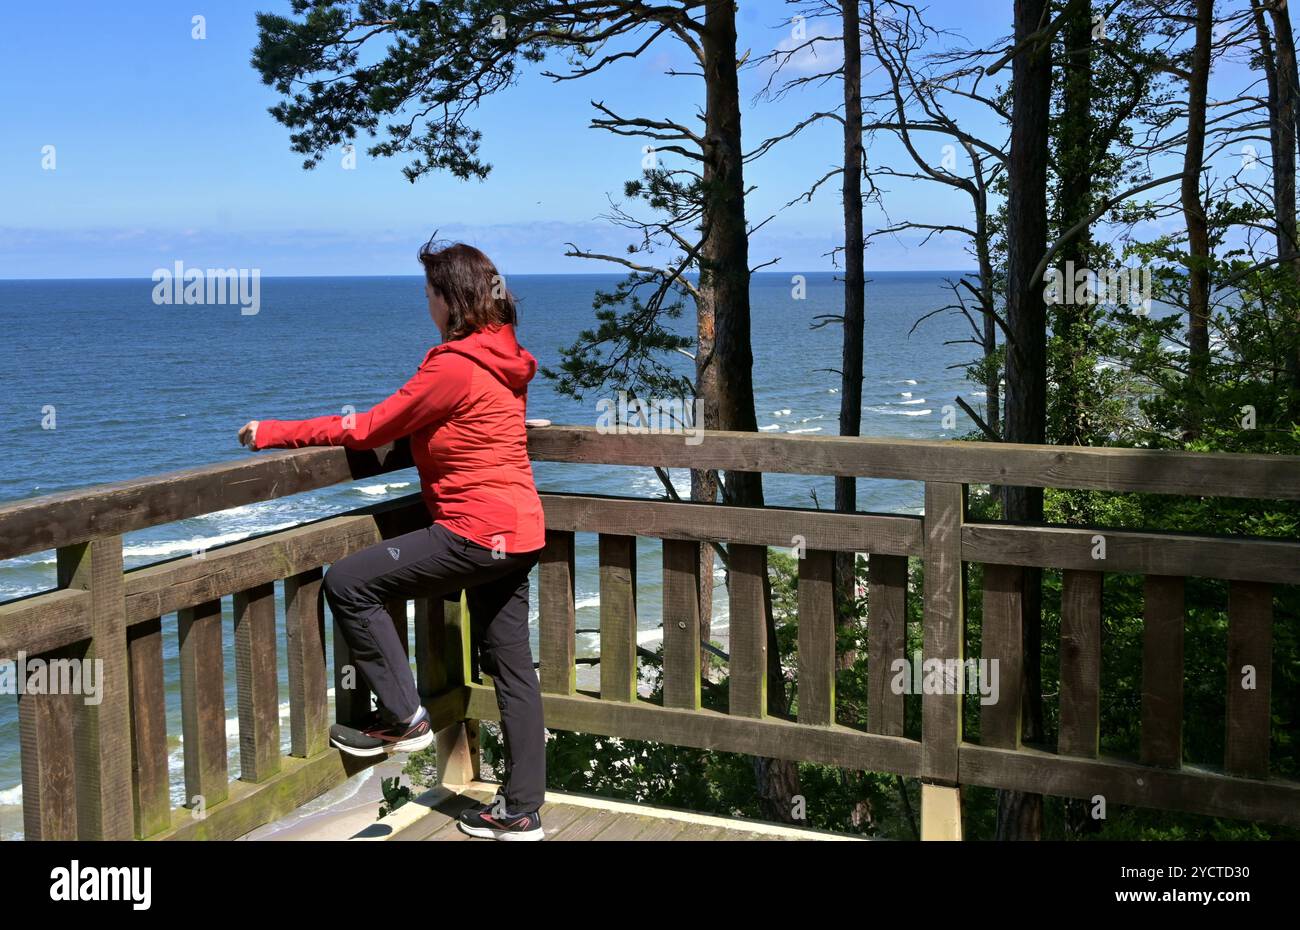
(435, 562)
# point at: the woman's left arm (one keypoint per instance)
(432, 393)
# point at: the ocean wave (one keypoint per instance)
(175, 546)
(382, 488)
(889, 411)
(810, 429)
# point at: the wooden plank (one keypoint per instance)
(166, 587)
(886, 641)
(1080, 664)
(1163, 620)
(1267, 477)
(1250, 677)
(587, 826)
(257, 680)
(837, 745)
(1187, 789)
(816, 638)
(43, 622)
(55, 520)
(1180, 554)
(103, 729)
(304, 620)
(555, 605)
(1002, 642)
(943, 628)
(722, 523)
(151, 778)
(203, 705)
(681, 624)
(747, 636)
(46, 725)
(618, 661)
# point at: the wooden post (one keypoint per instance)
(816, 638)
(886, 641)
(940, 812)
(103, 730)
(682, 633)
(257, 683)
(1164, 616)
(153, 806)
(458, 744)
(944, 629)
(618, 659)
(944, 632)
(747, 646)
(559, 674)
(203, 704)
(304, 621)
(1002, 641)
(45, 727)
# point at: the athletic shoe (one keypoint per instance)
(483, 822)
(378, 737)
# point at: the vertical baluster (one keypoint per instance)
(618, 660)
(556, 614)
(448, 623)
(153, 808)
(944, 627)
(681, 600)
(46, 737)
(203, 704)
(1002, 641)
(103, 730)
(258, 685)
(886, 641)
(747, 649)
(816, 638)
(1163, 620)
(1080, 663)
(1250, 677)
(304, 618)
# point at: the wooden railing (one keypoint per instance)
(100, 770)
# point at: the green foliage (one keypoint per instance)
(395, 795)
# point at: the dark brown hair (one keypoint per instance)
(474, 290)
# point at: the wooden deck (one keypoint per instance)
(584, 817)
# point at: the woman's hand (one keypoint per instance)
(248, 434)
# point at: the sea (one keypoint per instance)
(100, 384)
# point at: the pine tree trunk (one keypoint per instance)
(1020, 814)
(1198, 233)
(725, 273)
(851, 369)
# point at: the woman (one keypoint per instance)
(464, 411)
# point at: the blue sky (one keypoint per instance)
(165, 152)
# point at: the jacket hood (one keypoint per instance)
(496, 349)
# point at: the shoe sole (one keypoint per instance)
(409, 745)
(504, 835)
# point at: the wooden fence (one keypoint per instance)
(101, 770)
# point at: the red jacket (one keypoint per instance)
(464, 412)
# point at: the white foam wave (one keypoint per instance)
(383, 488)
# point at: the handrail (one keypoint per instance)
(61, 519)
